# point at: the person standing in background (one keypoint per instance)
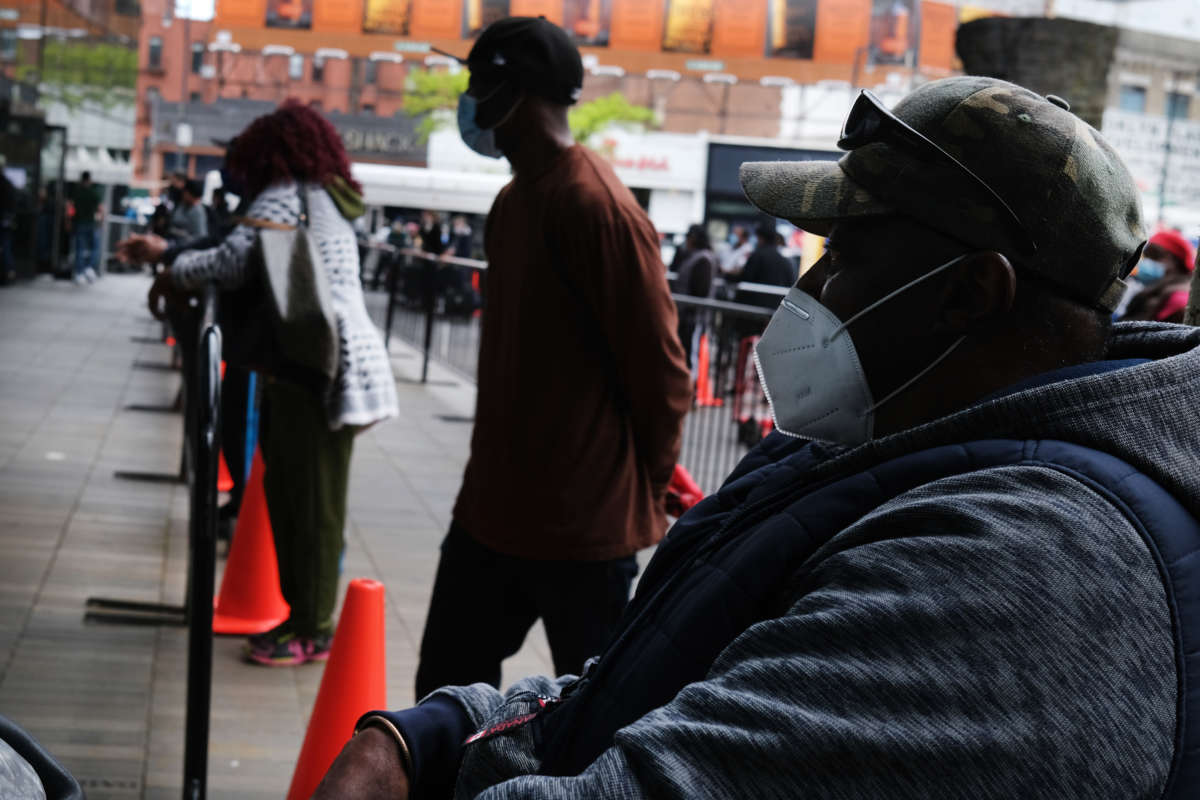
(8, 220)
(1164, 275)
(460, 237)
(219, 217)
(766, 265)
(582, 385)
(740, 250)
(695, 266)
(189, 220)
(86, 199)
(432, 233)
(294, 170)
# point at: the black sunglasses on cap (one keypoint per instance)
(870, 122)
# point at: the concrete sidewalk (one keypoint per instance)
(108, 700)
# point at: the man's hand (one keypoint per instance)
(145, 248)
(368, 767)
(163, 293)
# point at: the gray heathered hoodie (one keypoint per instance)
(999, 634)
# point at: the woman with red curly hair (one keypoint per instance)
(307, 443)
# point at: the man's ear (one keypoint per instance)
(981, 287)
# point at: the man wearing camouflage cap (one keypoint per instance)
(974, 569)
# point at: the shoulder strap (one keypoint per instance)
(256, 222)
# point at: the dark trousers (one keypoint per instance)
(87, 248)
(235, 401)
(305, 483)
(484, 603)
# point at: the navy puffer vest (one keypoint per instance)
(727, 564)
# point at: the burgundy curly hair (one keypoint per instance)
(294, 142)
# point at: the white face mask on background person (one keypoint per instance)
(812, 375)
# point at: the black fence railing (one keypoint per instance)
(433, 304)
(202, 427)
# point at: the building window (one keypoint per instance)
(8, 44)
(197, 58)
(1133, 98)
(296, 67)
(1179, 105)
(371, 72)
(318, 75)
(367, 108)
(155, 59)
(194, 97)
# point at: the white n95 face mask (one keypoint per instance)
(812, 375)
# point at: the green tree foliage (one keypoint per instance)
(427, 93)
(76, 71)
(432, 95)
(594, 116)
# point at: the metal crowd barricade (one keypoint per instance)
(433, 303)
(201, 452)
(202, 531)
(729, 413)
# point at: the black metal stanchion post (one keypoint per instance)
(203, 538)
(393, 272)
(429, 281)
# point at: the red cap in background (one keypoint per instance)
(1175, 244)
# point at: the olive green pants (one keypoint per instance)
(307, 475)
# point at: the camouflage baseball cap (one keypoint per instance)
(1048, 190)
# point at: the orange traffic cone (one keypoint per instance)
(250, 600)
(224, 479)
(704, 395)
(353, 684)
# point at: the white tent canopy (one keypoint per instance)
(432, 189)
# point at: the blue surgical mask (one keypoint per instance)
(481, 140)
(1149, 270)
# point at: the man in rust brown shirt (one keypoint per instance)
(582, 384)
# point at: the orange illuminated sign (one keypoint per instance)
(636, 25)
(438, 19)
(338, 16)
(845, 32)
(739, 29)
(841, 30)
(550, 9)
(939, 22)
(388, 16)
(689, 26)
(241, 14)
